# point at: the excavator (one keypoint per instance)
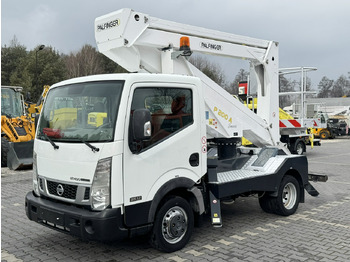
(17, 130)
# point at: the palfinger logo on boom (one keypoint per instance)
(108, 25)
(211, 46)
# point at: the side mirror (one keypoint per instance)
(141, 124)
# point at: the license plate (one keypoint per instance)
(52, 216)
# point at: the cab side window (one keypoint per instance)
(170, 108)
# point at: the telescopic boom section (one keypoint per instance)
(141, 43)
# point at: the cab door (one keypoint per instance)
(174, 150)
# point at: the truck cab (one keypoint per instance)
(149, 142)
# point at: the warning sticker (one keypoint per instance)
(213, 122)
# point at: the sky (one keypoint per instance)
(311, 33)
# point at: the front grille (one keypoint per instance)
(41, 183)
(69, 191)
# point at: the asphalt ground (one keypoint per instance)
(319, 231)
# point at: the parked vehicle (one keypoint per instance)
(165, 149)
(17, 129)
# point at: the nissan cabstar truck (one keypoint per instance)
(150, 152)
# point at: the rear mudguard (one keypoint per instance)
(20, 154)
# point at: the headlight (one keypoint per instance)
(35, 176)
(100, 190)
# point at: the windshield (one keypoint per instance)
(11, 105)
(84, 112)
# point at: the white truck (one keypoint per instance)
(120, 155)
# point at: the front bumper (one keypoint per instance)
(106, 225)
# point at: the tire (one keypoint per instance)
(287, 200)
(267, 203)
(299, 147)
(173, 225)
(4, 151)
(324, 135)
(288, 197)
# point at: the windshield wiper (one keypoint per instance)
(93, 148)
(51, 142)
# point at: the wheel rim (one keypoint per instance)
(300, 149)
(174, 225)
(289, 196)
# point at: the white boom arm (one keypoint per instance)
(141, 43)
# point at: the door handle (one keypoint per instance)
(194, 159)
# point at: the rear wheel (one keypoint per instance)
(267, 203)
(4, 151)
(299, 147)
(288, 197)
(287, 200)
(173, 225)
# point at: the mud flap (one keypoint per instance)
(20, 155)
(315, 178)
(311, 190)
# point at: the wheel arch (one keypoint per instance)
(182, 187)
(294, 173)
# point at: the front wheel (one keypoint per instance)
(4, 151)
(324, 135)
(173, 225)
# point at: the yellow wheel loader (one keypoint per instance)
(35, 108)
(17, 130)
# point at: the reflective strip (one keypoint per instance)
(289, 123)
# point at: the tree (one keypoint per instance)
(83, 63)
(87, 61)
(110, 66)
(47, 65)
(347, 86)
(10, 58)
(325, 86)
(286, 85)
(307, 83)
(339, 87)
(53, 68)
(212, 70)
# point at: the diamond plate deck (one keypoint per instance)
(235, 175)
(248, 171)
